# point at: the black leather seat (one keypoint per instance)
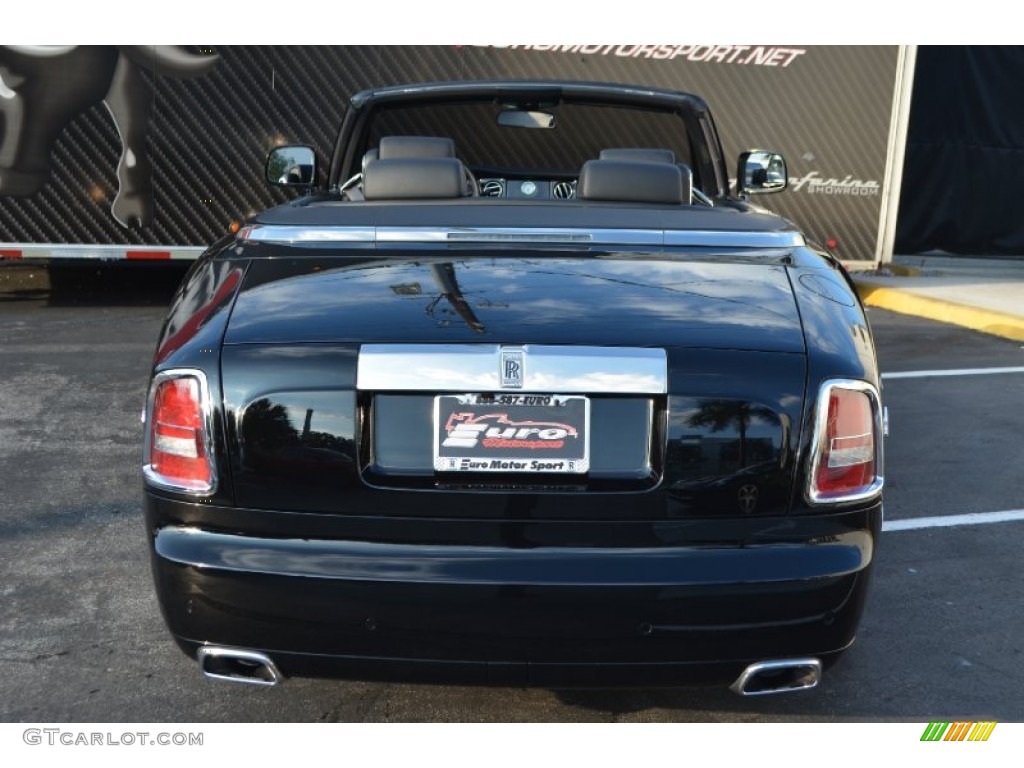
(631, 182)
(640, 154)
(392, 147)
(413, 148)
(653, 155)
(414, 178)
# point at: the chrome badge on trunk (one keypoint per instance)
(512, 362)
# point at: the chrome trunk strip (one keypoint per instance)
(478, 368)
(716, 239)
(277, 234)
(518, 235)
(452, 235)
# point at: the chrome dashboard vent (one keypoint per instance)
(564, 190)
(492, 188)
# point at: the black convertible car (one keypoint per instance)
(516, 391)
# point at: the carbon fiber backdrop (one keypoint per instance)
(826, 108)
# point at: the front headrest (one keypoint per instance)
(630, 182)
(415, 146)
(412, 178)
(645, 154)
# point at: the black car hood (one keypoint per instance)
(545, 297)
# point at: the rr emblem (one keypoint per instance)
(511, 372)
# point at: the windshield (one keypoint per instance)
(579, 133)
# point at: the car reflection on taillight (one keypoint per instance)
(177, 445)
(847, 458)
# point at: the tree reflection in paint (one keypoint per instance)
(720, 415)
(272, 443)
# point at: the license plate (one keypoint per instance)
(512, 433)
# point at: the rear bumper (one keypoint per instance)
(548, 615)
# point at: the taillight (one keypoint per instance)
(847, 460)
(178, 440)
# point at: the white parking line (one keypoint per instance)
(948, 521)
(957, 372)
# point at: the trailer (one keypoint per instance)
(154, 152)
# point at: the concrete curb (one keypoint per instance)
(909, 303)
(904, 271)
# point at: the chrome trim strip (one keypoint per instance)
(720, 239)
(645, 237)
(278, 234)
(153, 477)
(518, 235)
(477, 368)
(702, 198)
(816, 497)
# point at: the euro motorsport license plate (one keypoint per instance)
(512, 433)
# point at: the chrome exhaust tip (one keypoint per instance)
(780, 676)
(238, 666)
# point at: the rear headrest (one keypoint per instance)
(415, 146)
(645, 154)
(412, 178)
(631, 182)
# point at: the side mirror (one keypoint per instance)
(760, 171)
(291, 166)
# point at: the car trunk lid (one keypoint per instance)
(546, 297)
(702, 424)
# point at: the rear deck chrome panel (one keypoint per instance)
(477, 367)
(625, 237)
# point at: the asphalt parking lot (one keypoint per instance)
(81, 638)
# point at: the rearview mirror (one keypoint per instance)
(291, 166)
(521, 118)
(760, 171)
